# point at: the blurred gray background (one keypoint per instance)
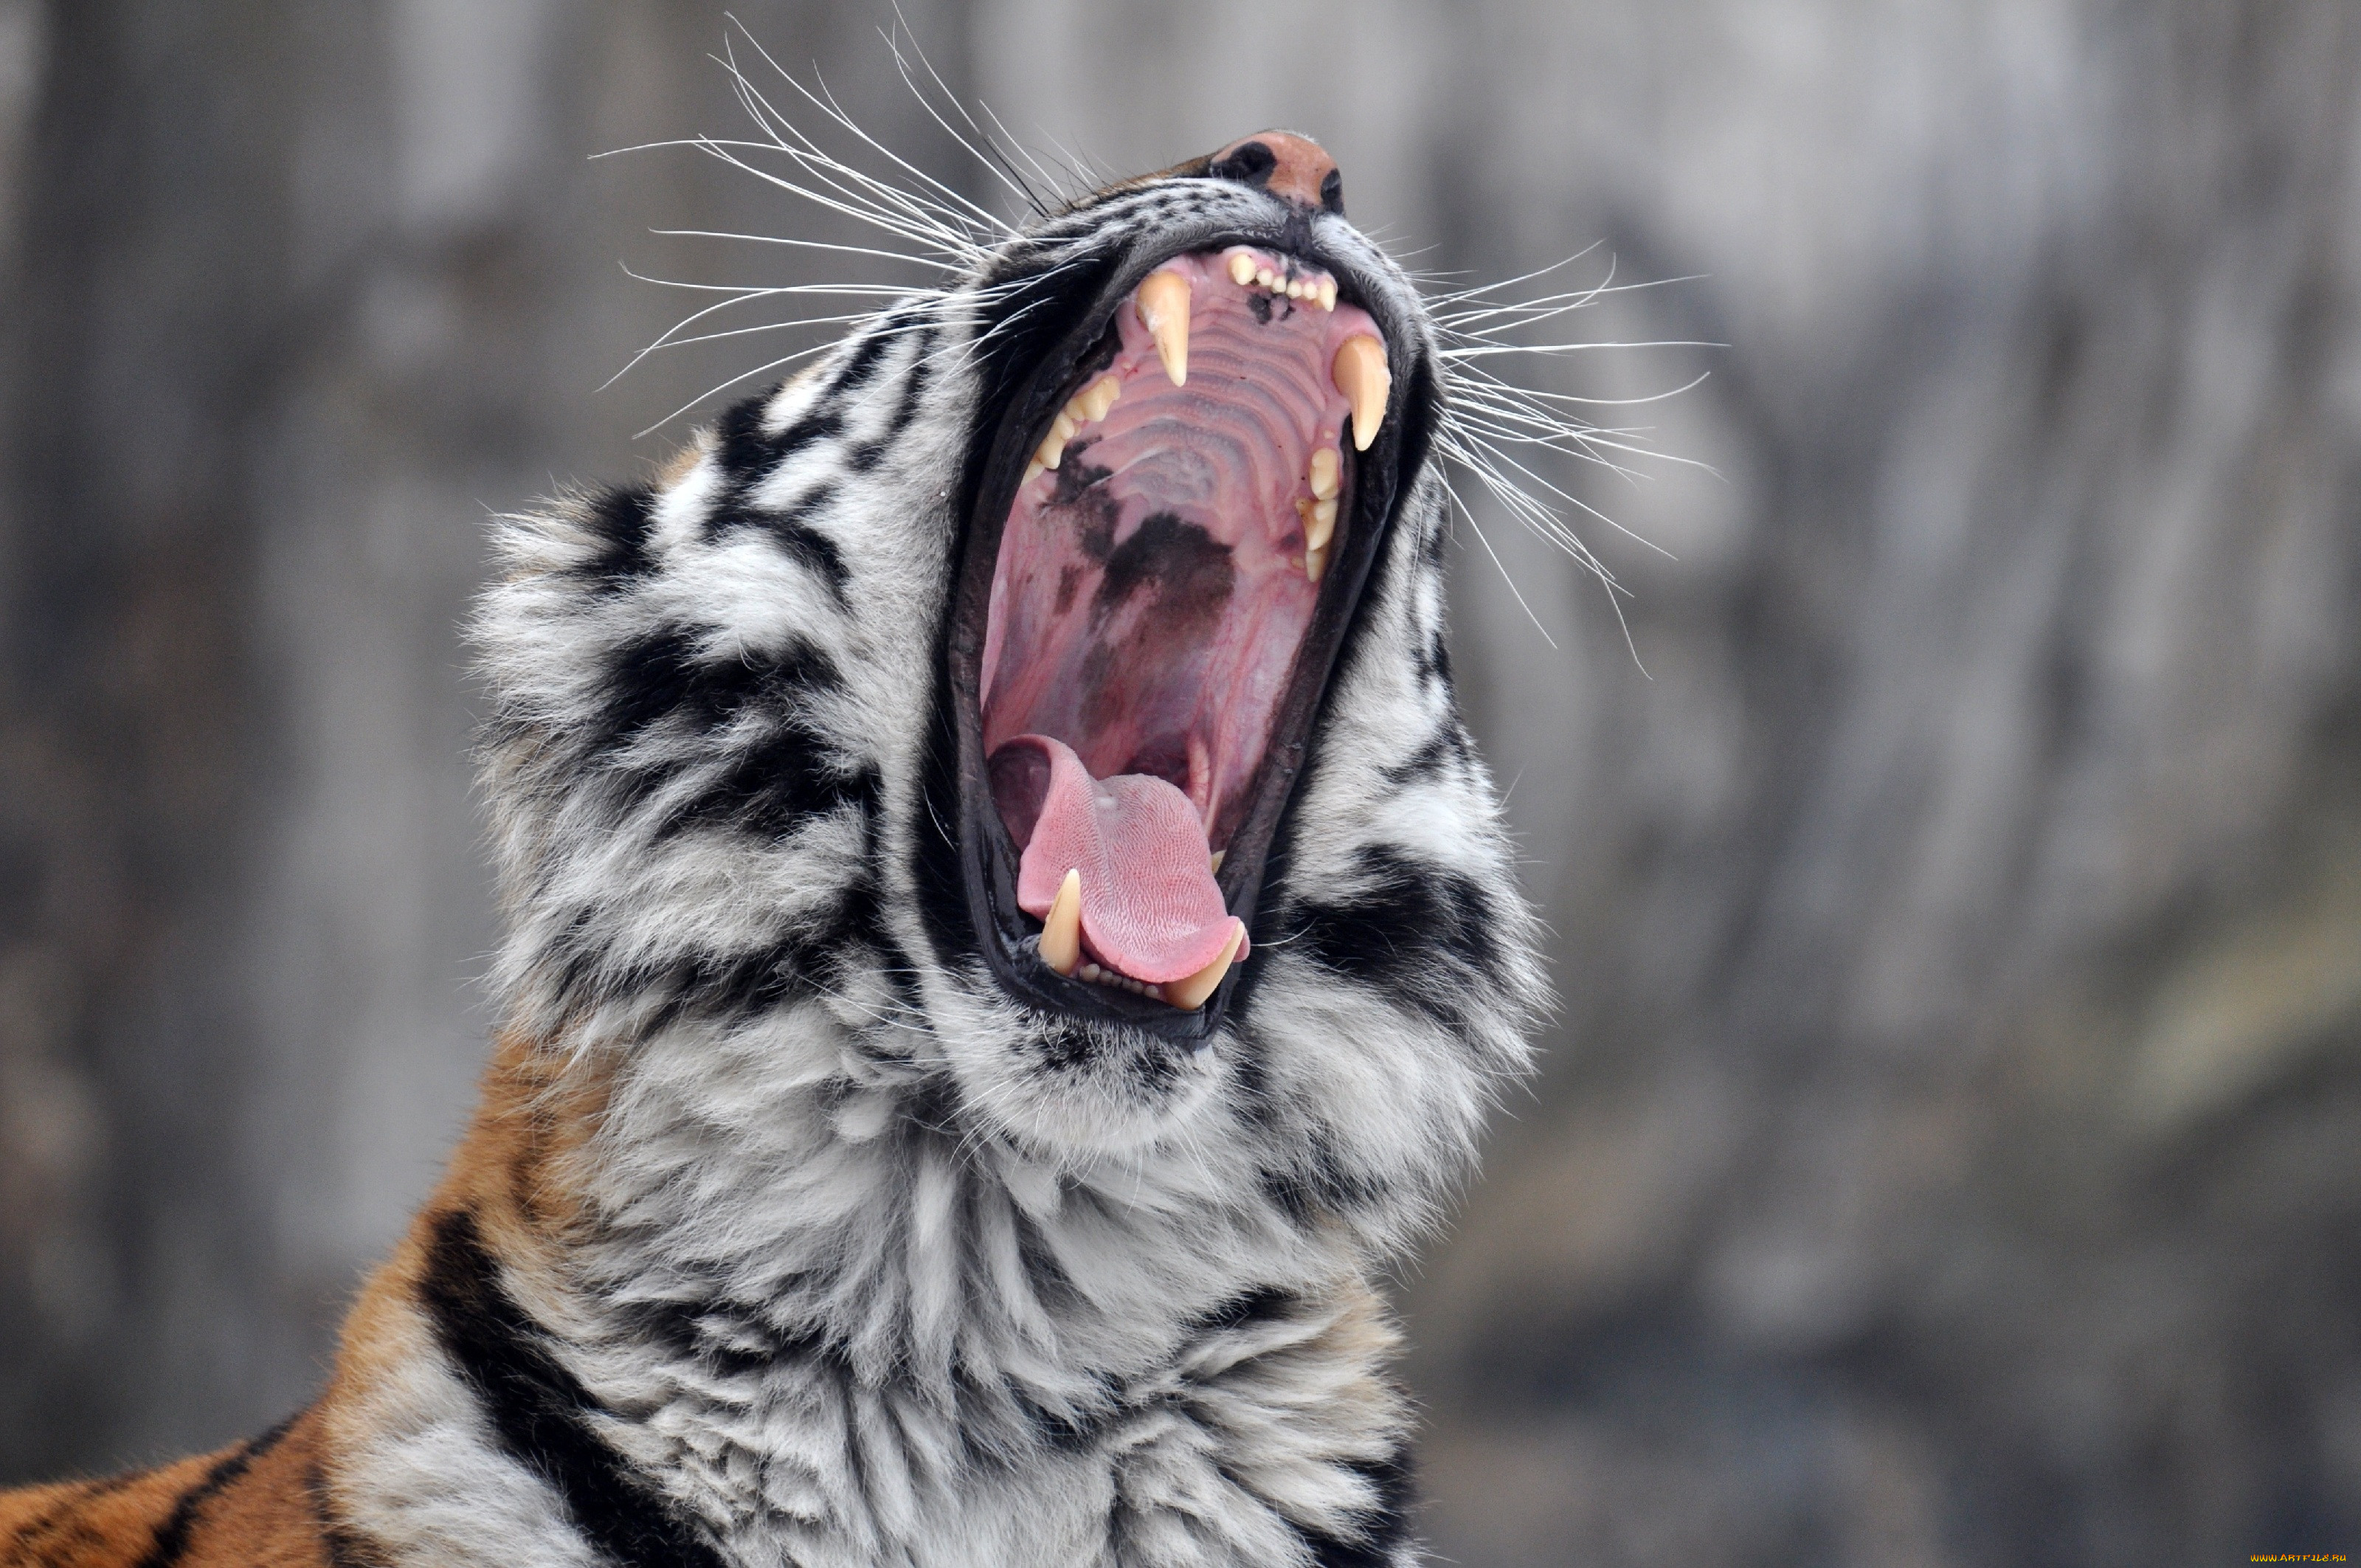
(1950, 1152)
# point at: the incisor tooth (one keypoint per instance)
(1219, 855)
(1061, 928)
(1319, 527)
(1265, 277)
(1242, 268)
(1033, 470)
(1190, 995)
(1327, 293)
(1295, 288)
(1324, 473)
(1164, 312)
(1360, 374)
(1100, 396)
(1052, 449)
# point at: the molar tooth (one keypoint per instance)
(1033, 470)
(1164, 312)
(1219, 855)
(1190, 995)
(1242, 268)
(1359, 371)
(1319, 527)
(1327, 293)
(1061, 928)
(1315, 565)
(1324, 473)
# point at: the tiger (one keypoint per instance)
(1006, 937)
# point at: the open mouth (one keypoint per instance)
(1167, 583)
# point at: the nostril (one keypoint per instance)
(1248, 163)
(1293, 168)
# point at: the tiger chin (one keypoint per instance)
(1007, 935)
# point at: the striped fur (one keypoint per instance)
(782, 1234)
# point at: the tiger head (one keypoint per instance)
(1032, 729)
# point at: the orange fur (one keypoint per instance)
(274, 1502)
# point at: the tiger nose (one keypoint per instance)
(1294, 168)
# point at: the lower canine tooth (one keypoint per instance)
(1359, 371)
(1190, 995)
(1061, 928)
(1164, 312)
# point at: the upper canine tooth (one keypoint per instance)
(1324, 473)
(1061, 928)
(1327, 293)
(1319, 525)
(1164, 312)
(1242, 268)
(1360, 373)
(1190, 995)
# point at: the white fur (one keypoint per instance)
(958, 1266)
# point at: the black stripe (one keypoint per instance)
(861, 364)
(172, 1536)
(540, 1410)
(747, 454)
(346, 1550)
(1414, 929)
(1448, 747)
(621, 519)
(69, 1509)
(1434, 662)
(815, 549)
(1383, 1526)
(918, 370)
(660, 674)
(1265, 1304)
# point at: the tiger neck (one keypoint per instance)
(731, 1198)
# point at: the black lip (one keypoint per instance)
(1044, 363)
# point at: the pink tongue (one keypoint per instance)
(1150, 908)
